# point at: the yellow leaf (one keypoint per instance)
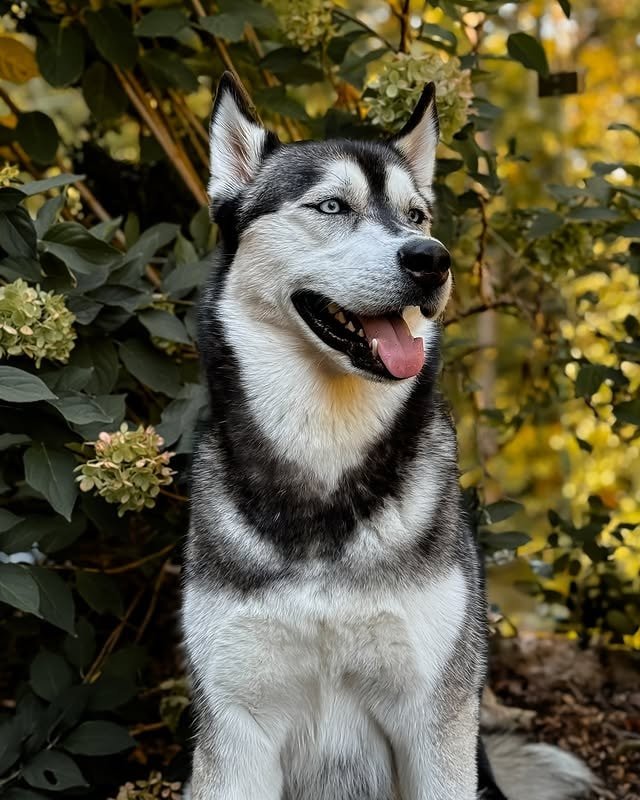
(17, 62)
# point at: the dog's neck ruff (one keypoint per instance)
(318, 420)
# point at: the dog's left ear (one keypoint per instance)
(238, 142)
(418, 140)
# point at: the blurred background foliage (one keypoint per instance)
(104, 236)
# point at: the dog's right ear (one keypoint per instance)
(237, 141)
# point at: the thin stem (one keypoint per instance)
(339, 12)
(405, 27)
(113, 638)
(136, 95)
(479, 309)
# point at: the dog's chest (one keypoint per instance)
(291, 642)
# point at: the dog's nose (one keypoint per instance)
(426, 260)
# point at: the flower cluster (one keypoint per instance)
(151, 789)
(128, 468)
(395, 92)
(306, 23)
(34, 323)
(8, 174)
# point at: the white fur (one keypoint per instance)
(277, 679)
(419, 147)
(235, 150)
(526, 770)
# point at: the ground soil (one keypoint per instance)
(586, 700)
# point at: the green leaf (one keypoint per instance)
(545, 222)
(50, 675)
(8, 520)
(628, 412)
(102, 93)
(162, 22)
(565, 5)
(38, 135)
(15, 793)
(101, 356)
(507, 540)
(503, 509)
(186, 277)
(255, 14)
(10, 197)
(632, 230)
(18, 386)
(225, 26)
(276, 99)
(180, 416)
(164, 325)
(593, 213)
(439, 36)
(68, 379)
(48, 214)
(168, 70)
(78, 249)
(110, 692)
(50, 472)
(113, 36)
(620, 622)
(53, 771)
(148, 244)
(150, 367)
(591, 377)
(17, 234)
(100, 592)
(80, 409)
(56, 600)
(81, 648)
(19, 589)
(529, 52)
(36, 187)
(61, 54)
(98, 738)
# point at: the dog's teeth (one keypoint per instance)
(333, 308)
(351, 327)
(341, 317)
(374, 347)
(361, 333)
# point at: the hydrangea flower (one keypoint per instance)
(151, 789)
(128, 468)
(34, 323)
(396, 91)
(306, 23)
(8, 174)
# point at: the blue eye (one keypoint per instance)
(416, 216)
(332, 206)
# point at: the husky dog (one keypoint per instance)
(334, 609)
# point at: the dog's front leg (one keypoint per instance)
(435, 752)
(235, 759)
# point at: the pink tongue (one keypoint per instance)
(401, 354)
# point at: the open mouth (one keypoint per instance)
(383, 346)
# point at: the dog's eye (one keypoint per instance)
(333, 206)
(416, 216)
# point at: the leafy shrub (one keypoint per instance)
(104, 240)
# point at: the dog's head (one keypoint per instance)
(330, 241)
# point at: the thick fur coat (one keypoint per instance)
(334, 608)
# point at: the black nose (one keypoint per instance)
(426, 260)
